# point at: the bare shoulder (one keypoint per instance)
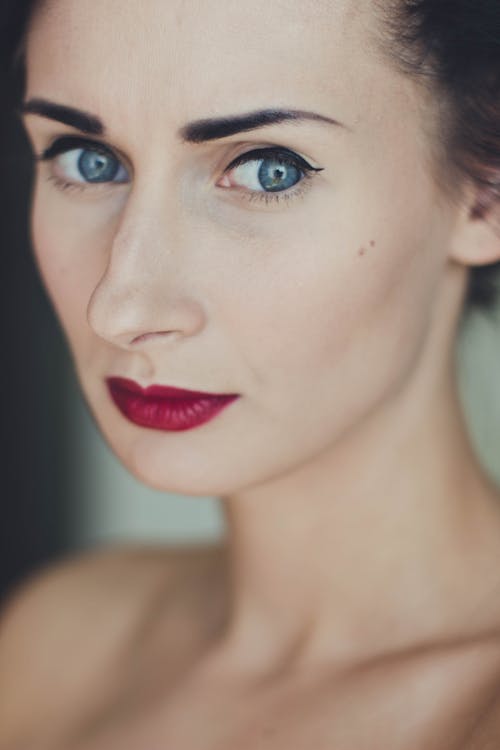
(66, 631)
(123, 576)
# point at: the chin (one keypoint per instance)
(195, 484)
(171, 469)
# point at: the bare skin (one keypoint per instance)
(130, 643)
(357, 603)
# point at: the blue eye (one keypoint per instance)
(277, 175)
(265, 173)
(78, 161)
(95, 166)
(89, 165)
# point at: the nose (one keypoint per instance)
(146, 293)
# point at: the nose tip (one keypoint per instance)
(149, 316)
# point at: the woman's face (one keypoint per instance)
(312, 298)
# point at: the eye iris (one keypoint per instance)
(97, 167)
(276, 175)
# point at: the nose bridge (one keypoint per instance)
(144, 289)
(142, 241)
(149, 226)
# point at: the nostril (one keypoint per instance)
(147, 336)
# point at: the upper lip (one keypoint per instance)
(163, 391)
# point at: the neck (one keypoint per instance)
(386, 542)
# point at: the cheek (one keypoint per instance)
(70, 252)
(344, 304)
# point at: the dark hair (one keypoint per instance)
(14, 17)
(453, 46)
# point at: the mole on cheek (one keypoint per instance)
(363, 250)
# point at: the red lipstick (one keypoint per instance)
(166, 408)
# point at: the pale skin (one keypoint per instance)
(357, 602)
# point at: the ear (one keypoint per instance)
(476, 240)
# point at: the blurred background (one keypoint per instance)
(61, 488)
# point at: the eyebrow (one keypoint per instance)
(198, 131)
(75, 118)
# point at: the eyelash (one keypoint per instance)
(281, 154)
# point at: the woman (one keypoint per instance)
(257, 224)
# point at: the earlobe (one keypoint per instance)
(477, 236)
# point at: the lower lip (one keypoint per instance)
(169, 413)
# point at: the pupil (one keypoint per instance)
(96, 167)
(274, 175)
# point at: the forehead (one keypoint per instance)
(195, 57)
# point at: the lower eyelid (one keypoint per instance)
(64, 185)
(92, 189)
(283, 198)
